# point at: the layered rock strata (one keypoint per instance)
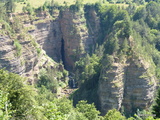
(76, 37)
(128, 86)
(27, 63)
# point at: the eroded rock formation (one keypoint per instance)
(27, 63)
(129, 85)
(76, 37)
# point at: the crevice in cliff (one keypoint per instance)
(63, 53)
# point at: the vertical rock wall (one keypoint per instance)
(128, 84)
(111, 87)
(77, 39)
(27, 63)
(140, 86)
(70, 30)
(48, 35)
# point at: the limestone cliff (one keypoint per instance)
(28, 63)
(139, 86)
(47, 33)
(111, 87)
(128, 85)
(76, 37)
(63, 36)
(27, 51)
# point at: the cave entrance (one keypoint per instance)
(63, 53)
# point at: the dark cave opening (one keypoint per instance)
(63, 53)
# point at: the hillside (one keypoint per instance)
(101, 52)
(38, 3)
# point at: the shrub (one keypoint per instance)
(18, 47)
(88, 110)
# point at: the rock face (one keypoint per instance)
(7, 56)
(27, 63)
(76, 37)
(30, 53)
(67, 37)
(126, 84)
(111, 87)
(63, 37)
(48, 35)
(139, 87)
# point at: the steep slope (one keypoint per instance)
(127, 84)
(76, 37)
(25, 53)
(64, 36)
(47, 33)
(28, 62)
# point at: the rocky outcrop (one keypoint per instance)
(63, 37)
(128, 84)
(27, 63)
(76, 37)
(47, 33)
(140, 86)
(66, 35)
(111, 87)
(27, 52)
(7, 56)
(93, 23)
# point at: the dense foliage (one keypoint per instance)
(156, 107)
(21, 101)
(119, 25)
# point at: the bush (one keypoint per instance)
(48, 78)
(20, 96)
(18, 47)
(156, 107)
(114, 115)
(88, 110)
(28, 9)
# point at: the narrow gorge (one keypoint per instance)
(126, 79)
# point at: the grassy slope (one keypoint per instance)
(37, 3)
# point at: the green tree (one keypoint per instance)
(112, 45)
(124, 46)
(156, 107)
(10, 6)
(88, 110)
(114, 115)
(49, 79)
(52, 113)
(28, 9)
(5, 112)
(64, 105)
(131, 8)
(21, 96)
(108, 15)
(79, 4)
(58, 109)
